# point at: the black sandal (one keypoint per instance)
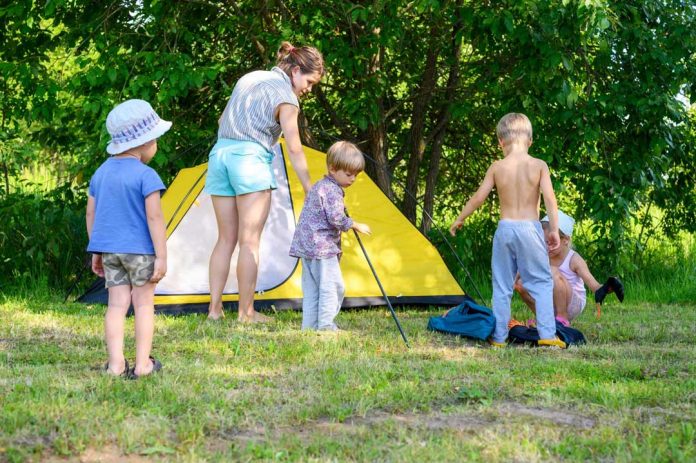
(156, 366)
(124, 373)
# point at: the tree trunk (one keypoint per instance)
(338, 122)
(416, 138)
(376, 143)
(306, 134)
(431, 182)
(376, 147)
(441, 129)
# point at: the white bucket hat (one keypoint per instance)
(133, 123)
(565, 223)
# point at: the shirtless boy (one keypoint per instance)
(518, 243)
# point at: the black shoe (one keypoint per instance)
(156, 366)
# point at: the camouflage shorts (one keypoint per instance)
(127, 269)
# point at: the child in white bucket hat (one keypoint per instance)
(570, 275)
(127, 235)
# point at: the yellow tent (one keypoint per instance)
(408, 265)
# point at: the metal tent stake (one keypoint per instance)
(384, 293)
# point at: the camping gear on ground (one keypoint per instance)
(521, 334)
(411, 269)
(468, 319)
(612, 285)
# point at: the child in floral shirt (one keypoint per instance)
(317, 239)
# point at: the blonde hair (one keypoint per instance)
(309, 59)
(345, 156)
(514, 127)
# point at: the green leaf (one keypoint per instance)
(567, 64)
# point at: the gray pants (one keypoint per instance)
(322, 293)
(518, 246)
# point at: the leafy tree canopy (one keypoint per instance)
(420, 85)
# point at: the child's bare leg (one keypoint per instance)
(143, 302)
(525, 296)
(219, 268)
(562, 294)
(119, 301)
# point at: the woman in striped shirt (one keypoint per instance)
(240, 178)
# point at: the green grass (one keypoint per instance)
(239, 393)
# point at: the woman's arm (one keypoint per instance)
(287, 115)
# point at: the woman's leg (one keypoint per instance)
(253, 209)
(225, 208)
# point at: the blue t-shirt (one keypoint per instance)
(119, 188)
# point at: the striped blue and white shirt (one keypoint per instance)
(250, 111)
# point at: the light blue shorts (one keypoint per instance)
(239, 167)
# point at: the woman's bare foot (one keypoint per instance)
(255, 317)
(216, 314)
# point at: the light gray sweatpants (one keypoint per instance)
(322, 293)
(519, 246)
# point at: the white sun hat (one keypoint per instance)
(565, 223)
(133, 123)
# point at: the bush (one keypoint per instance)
(468, 254)
(43, 237)
(658, 269)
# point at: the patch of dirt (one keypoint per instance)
(657, 416)
(461, 422)
(457, 422)
(562, 417)
(217, 445)
(433, 421)
(109, 454)
(106, 454)
(438, 421)
(221, 441)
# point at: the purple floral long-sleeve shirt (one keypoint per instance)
(323, 218)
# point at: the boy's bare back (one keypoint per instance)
(518, 179)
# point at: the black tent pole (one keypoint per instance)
(381, 288)
(452, 250)
(88, 264)
(78, 279)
